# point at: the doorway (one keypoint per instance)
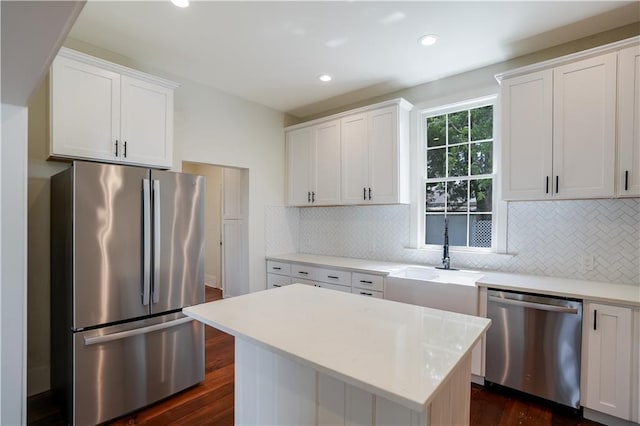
(226, 226)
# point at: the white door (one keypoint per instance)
(609, 360)
(383, 155)
(299, 152)
(527, 143)
(629, 122)
(355, 159)
(234, 281)
(584, 131)
(232, 193)
(326, 165)
(85, 111)
(147, 122)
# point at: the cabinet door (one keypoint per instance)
(527, 143)
(326, 165)
(629, 122)
(299, 149)
(355, 159)
(383, 155)
(147, 123)
(584, 117)
(85, 111)
(609, 360)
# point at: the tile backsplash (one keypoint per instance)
(596, 240)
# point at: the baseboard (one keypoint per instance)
(606, 419)
(38, 380)
(211, 281)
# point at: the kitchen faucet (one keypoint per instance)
(446, 260)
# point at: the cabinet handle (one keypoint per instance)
(595, 319)
(125, 149)
(276, 285)
(364, 193)
(116, 147)
(309, 197)
(626, 180)
(546, 191)
(303, 272)
(276, 268)
(332, 277)
(557, 183)
(366, 282)
(366, 294)
(369, 193)
(313, 197)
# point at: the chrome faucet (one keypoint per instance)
(446, 260)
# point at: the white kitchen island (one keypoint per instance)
(312, 356)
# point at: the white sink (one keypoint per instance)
(442, 276)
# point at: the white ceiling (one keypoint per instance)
(272, 52)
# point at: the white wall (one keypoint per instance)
(13, 228)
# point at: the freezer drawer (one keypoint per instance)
(125, 367)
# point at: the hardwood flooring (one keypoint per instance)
(211, 402)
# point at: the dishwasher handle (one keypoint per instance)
(533, 305)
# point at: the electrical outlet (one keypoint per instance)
(588, 262)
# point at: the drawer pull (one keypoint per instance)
(595, 319)
(303, 272)
(332, 277)
(276, 268)
(366, 282)
(366, 294)
(276, 285)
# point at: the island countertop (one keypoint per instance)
(398, 351)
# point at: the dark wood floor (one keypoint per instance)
(211, 402)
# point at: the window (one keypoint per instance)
(459, 175)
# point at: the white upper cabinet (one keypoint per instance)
(356, 157)
(584, 128)
(314, 165)
(106, 112)
(628, 172)
(558, 131)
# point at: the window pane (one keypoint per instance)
(458, 127)
(481, 196)
(457, 200)
(457, 230)
(434, 229)
(482, 123)
(480, 230)
(436, 163)
(458, 163)
(482, 158)
(436, 130)
(435, 197)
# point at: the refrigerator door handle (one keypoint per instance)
(88, 341)
(156, 241)
(146, 212)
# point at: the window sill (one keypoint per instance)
(461, 251)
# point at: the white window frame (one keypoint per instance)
(499, 208)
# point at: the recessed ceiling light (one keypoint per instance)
(324, 78)
(427, 40)
(181, 3)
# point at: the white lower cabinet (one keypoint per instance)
(275, 280)
(607, 385)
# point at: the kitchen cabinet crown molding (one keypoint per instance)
(117, 68)
(401, 102)
(563, 60)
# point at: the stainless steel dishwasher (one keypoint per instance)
(533, 345)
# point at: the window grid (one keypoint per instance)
(446, 179)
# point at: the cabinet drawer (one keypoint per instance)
(303, 271)
(368, 281)
(368, 293)
(333, 276)
(280, 268)
(336, 287)
(274, 280)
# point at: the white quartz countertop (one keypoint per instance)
(401, 352)
(565, 287)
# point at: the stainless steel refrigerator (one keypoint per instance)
(127, 254)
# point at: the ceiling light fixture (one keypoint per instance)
(181, 3)
(324, 78)
(427, 40)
